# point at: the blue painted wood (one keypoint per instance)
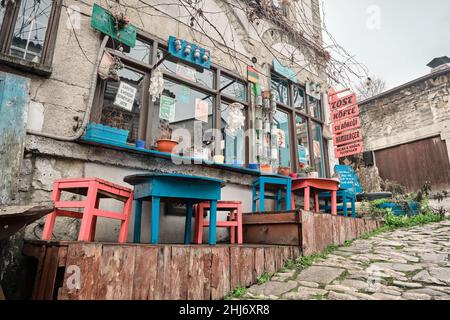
(137, 221)
(164, 187)
(279, 183)
(13, 110)
(212, 222)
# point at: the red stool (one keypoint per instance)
(234, 221)
(93, 189)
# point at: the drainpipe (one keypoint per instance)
(87, 113)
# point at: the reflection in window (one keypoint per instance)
(301, 132)
(140, 52)
(234, 88)
(281, 136)
(30, 29)
(205, 77)
(120, 110)
(2, 14)
(180, 107)
(234, 151)
(318, 147)
(314, 107)
(280, 86)
(299, 99)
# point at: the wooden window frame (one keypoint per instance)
(44, 66)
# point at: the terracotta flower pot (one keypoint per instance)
(166, 145)
(284, 171)
(266, 168)
(266, 94)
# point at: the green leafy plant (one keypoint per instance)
(265, 277)
(237, 293)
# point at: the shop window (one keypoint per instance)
(233, 88)
(280, 139)
(28, 29)
(301, 133)
(318, 148)
(233, 142)
(314, 107)
(281, 87)
(299, 99)
(182, 107)
(203, 77)
(2, 14)
(141, 51)
(124, 113)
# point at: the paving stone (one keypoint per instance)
(415, 296)
(442, 274)
(428, 291)
(323, 275)
(308, 284)
(304, 293)
(403, 284)
(424, 276)
(273, 288)
(340, 288)
(434, 257)
(357, 284)
(398, 266)
(340, 296)
(393, 291)
(384, 296)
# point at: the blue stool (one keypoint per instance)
(273, 183)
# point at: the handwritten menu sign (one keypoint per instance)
(345, 124)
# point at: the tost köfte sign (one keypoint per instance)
(345, 124)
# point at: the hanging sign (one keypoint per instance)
(349, 150)
(252, 75)
(344, 125)
(167, 108)
(189, 52)
(345, 113)
(201, 110)
(103, 21)
(343, 102)
(284, 71)
(125, 96)
(186, 72)
(347, 137)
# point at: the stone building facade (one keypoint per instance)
(408, 130)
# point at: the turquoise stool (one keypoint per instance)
(276, 183)
(191, 190)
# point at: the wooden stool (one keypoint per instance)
(234, 222)
(277, 184)
(93, 189)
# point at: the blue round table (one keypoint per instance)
(191, 190)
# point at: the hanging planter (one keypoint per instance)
(121, 21)
(109, 67)
(236, 118)
(156, 84)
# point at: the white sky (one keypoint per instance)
(411, 33)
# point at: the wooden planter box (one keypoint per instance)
(273, 228)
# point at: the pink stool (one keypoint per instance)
(234, 222)
(93, 189)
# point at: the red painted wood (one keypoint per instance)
(347, 137)
(345, 125)
(317, 184)
(349, 149)
(345, 113)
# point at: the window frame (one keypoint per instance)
(293, 112)
(48, 48)
(146, 116)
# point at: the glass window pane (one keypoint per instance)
(2, 14)
(299, 99)
(234, 151)
(179, 112)
(314, 107)
(141, 52)
(233, 87)
(115, 112)
(30, 29)
(301, 133)
(280, 140)
(204, 78)
(318, 147)
(280, 86)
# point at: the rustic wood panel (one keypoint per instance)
(162, 291)
(199, 277)
(220, 272)
(246, 266)
(116, 271)
(259, 262)
(269, 263)
(415, 163)
(179, 273)
(145, 266)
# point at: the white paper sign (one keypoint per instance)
(125, 96)
(201, 110)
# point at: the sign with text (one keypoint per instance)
(347, 137)
(345, 113)
(125, 96)
(167, 108)
(345, 125)
(349, 149)
(346, 101)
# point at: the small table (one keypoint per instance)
(174, 187)
(317, 184)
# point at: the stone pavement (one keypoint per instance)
(406, 264)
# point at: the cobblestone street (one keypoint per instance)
(407, 264)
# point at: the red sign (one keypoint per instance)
(347, 137)
(349, 150)
(346, 101)
(348, 124)
(345, 113)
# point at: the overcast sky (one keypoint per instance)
(398, 45)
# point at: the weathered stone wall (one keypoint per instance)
(419, 111)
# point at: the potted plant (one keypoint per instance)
(265, 165)
(284, 171)
(305, 171)
(164, 143)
